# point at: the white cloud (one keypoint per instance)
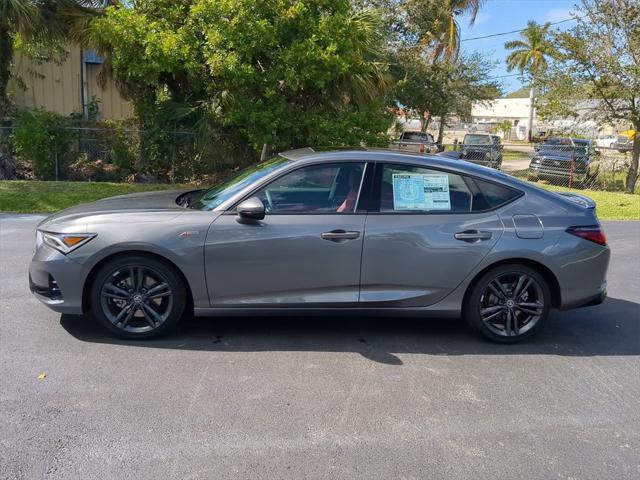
(558, 14)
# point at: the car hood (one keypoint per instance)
(559, 155)
(139, 207)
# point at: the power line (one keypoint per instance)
(503, 76)
(516, 31)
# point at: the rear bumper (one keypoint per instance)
(590, 301)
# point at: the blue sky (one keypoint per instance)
(505, 15)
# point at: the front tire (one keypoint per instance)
(137, 297)
(508, 304)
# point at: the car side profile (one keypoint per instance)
(362, 232)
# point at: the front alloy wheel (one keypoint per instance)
(509, 303)
(137, 297)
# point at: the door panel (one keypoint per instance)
(284, 261)
(416, 259)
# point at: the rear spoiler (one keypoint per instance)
(578, 199)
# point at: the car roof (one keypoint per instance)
(309, 155)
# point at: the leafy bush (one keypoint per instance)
(40, 138)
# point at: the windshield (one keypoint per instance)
(477, 140)
(214, 196)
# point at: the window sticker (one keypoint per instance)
(414, 191)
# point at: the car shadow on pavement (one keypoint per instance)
(610, 329)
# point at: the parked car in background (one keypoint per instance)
(608, 141)
(567, 161)
(624, 142)
(415, 141)
(360, 232)
(482, 149)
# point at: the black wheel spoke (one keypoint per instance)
(491, 312)
(126, 310)
(508, 321)
(139, 278)
(521, 288)
(116, 292)
(530, 308)
(498, 290)
(160, 290)
(151, 315)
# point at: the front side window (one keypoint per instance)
(330, 188)
(406, 188)
(216, 195)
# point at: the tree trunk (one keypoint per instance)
(632, 175)
(443, 119)
(6, 55)
(425, 121)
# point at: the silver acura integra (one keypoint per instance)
(364, 232)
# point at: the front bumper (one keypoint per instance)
(57, 281)
(550, 173)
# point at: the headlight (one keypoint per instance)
(535, 160)
(65, 242)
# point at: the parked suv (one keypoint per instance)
(414, 141)
(568, 161)
(483, 149)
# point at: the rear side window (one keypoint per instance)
(406, 188)
(491, 195)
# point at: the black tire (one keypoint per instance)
(481, 298)
(156, 308)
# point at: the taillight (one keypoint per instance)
(593, 233)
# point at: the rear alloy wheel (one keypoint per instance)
(509, 303)
(137, 297)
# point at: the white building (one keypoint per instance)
(516, 110)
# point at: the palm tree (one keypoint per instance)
(448, 35)
(530, 55)
(41, 20)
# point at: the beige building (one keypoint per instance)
(67, 87)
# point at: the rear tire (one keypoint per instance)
(137, 297)
(508, 304)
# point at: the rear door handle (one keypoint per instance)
(339, 235)
(472, 236)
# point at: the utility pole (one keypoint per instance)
(532, 95)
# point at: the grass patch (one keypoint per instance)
(510, 155)
(24, 196)
(609, 205)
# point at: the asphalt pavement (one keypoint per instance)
(332, 398)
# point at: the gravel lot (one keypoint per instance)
(319, 398)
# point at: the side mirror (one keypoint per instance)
(252, 208)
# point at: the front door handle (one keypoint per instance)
(472, 236)
(339, 235)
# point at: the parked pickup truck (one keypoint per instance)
(483, 149)
(565, 161)
(412, 141)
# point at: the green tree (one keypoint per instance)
(597, 72)
(530, 56)
(283, 73)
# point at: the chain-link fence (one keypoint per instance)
(563, 162)
(122, 154)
